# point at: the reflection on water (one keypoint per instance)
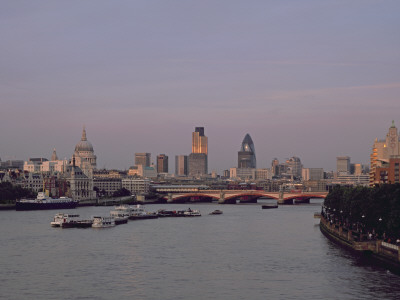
(245, 253)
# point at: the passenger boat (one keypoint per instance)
(162, 213)
(216, 212)
(69, 221)
(124, 209)
(192, 213)
(139, 213)
(43, 202)
(119, 217)
(103, 222)
(269, 206)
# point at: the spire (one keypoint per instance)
(393, 124)
(54, 155)
(84, 134)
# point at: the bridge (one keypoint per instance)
(244, 196)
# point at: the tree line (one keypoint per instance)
(9, 192)
(376, 209)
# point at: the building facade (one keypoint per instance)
(143, 159)
(181, 165)
(343, 165)
(294, 167)
(162, 163)
(247, 154)
(382, 152)
(198, 165)
(199, 141)
(136, 186)
(84, 155)
(198, 159)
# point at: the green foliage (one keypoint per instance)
(375, 208)
(9, 192)
(121, 193)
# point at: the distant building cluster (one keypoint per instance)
(385, 158)
(79, 178)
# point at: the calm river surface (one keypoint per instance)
(245, 253)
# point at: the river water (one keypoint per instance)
(245, 253)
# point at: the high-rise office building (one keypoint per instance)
(247, 154)
(199, 141)
(198, 164)
(162, 163)
(383, 153)
(198, 161)
(343, 165)
(181, 165)
(142, 159)
(294, 166)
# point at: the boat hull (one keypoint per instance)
(45, 206)
(143, 217)
(269, 206)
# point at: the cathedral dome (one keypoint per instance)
(84, 144)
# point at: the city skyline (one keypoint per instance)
(313, 80)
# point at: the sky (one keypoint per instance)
(313, 79)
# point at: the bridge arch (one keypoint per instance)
(252, 194)
(194, 195)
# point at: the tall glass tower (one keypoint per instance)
(247, 154)
(199, 141)
(198, 162)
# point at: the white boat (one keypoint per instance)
(192, 213)
(60, 219)
(103, 222)
(124, 209)
(69, 221)
(139, 213)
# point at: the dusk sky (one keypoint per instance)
(313, 79)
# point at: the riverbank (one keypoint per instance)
(386, 254)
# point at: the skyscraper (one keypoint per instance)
(247, 154)
(142, 159)
(181, 165)
(382, 152)
(198, 161)
(199, 141)
(294, 166)
(343, 165)
(162, 163)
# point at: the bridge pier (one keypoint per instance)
(301, 200)
(169, 198)
(227, 201)
(285, 201)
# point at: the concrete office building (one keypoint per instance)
(162, 163)
(142, 159)
(181, 165)
(382, 152)
(343, 165)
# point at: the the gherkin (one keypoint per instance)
(247, 153)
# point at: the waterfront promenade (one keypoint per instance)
(362, 243)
